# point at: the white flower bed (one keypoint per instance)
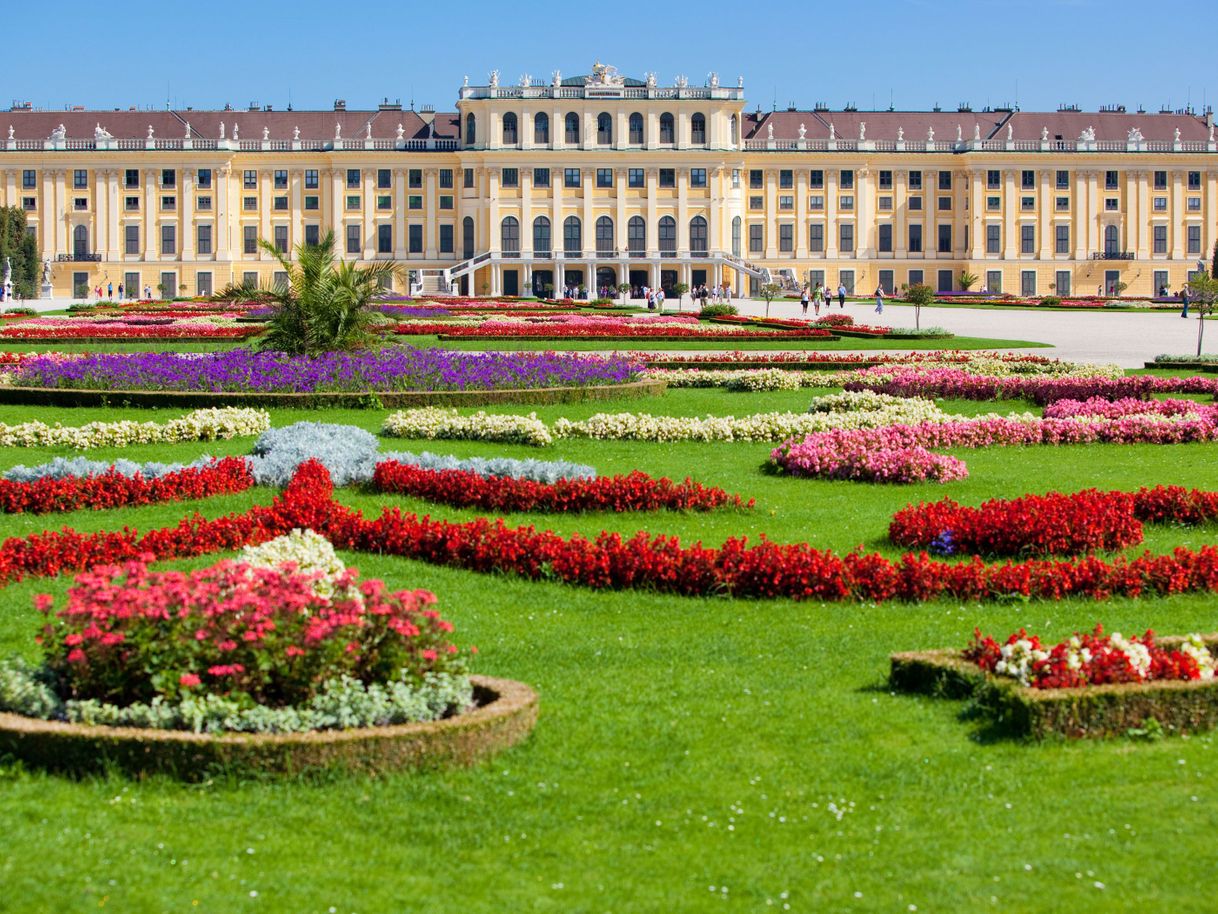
(310, 552)
(434, 422)
(200, 425)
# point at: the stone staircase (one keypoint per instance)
(433, 284)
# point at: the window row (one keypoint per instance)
(635, 127)
(606, 239)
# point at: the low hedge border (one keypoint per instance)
(67, 396)
(1211, 367)
(894, 335)
(506, 713)
(1092, 712)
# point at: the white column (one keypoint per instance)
(1178, 230)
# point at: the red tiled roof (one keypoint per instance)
(1108, 125)
(881, 125)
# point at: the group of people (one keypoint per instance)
(823, 296)
(713, 295)
(109, 291)
(654, 297)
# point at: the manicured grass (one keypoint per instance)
(692, 754)
(956, 342)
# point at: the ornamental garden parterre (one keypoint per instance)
(708, 621)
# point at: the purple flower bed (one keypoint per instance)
(415, 311)
(392, 368)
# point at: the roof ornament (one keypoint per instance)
(1135, 135)
(338, 132)
(236, 132)
(186, 136)
(1010, 132)
(10, 131)
(556, 78)
(368, 132)
(900, 134)
(266, 134)
(60, 133)
(1177, 134)
(976, 133)
(149, 131)
(494, 79)
(930, 134)
(739, 82)
(526, 80)
(959, 134)
(682, 81)
(1211, 133)
(221, 129)
(605, 76)
(1044, 134)
(862, 131)
(651, 80)
(1087, 136)
(401, 132)
(465, 82)
(99, 133)
(296, 134)
(803, 131)
(832, 132)
(769, 131)
(714, 80)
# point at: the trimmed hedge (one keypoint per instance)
(1092, 712)
(1185, 364)
(506, 713)
(67, 396)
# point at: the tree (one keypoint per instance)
(1120, 287)
(324, 305)
(1214, 265)
(680, 288)
(622, 289)
(1204, 292)
(918, 295)
(21, 248)
(967, 280)
(770, 291)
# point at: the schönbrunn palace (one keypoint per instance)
(598, 180)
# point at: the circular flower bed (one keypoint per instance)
(286, 640)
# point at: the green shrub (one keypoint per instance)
(1051, 301)
(717, 311)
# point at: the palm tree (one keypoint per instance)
(323, 306)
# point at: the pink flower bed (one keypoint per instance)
(1126, 406)
(840, 454)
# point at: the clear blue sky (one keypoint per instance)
(915, 52)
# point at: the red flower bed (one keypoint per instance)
(128, 332)
(634, 331)
(1087, 659)
(114, 490)
(1050, 524)
(635, 492)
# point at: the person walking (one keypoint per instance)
(110, 291)
(879, 299)
(1184, 301)
(818, 298)
(803, 300)
(841, 296)
(120, 291)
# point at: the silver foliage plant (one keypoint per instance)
(544, 471)
(63, 467)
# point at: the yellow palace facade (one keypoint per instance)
(599, 180)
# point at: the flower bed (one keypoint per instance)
(839, 455)
(1050, 524)
(113, 489)
(200, 425)
(1126, 406)
(119, 327)
(634, 492)
(1120, 705)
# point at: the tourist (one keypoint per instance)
(120, 291)
(1184, 301)
(818, 299)
(660, 299)
(841, 296)
(147, 292)
(803, 300)
(110, 291)
(879, 299)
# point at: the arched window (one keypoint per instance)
(668, 237)
(509, 235)
(697, 129)
(668, 132)
(471, 130)
(541, 128)
(604, 237)
(636, 129)
(1112, 239)
(736, 240)
(510, 133)
(636, 236)
(541, 237)
(571, 129)
(572, 237)
(604, 129)
(735, 130)
(697, 236)
(467, 237)
(80, 241)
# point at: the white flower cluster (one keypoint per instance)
(745, 379)
(1136, 651)
(852, 401)
(310, 552)
(200, 425)
(1196, 649)
(433, 422)
(1017, 660)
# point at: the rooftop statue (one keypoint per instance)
(60, 133)
(100, 133)
(494, 79)
(605, 75)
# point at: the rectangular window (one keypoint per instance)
(446, 239)
(446, 178)
(353, 201)
(945, 180)
(414, 177)
(1061, 239)
(915, 238)
(1194, 239)
(668, 177)
(1027, 283)
(279, 280)
(249, 203)
(993, 179)
(169, 204)
(29, 179)
(993, 204)
(169, 239)
(1160, 180)
(312, 202)
(885, 180)
(312, 235)
(353, 243)
(353, 177)
(635, 177)
(80, 179)
(1027, 204)
(281, 239)
(993, 280)
(756, 238)
(845, 237)
(915, 180)
(446, 201)
(786, 238)
(1111, 180)
(1061, 283)
(816, 238)
(203, 239)
(885, 204)
(131, 177)
(541, 177)
(1159, 204)
(1027, 179)
(250, 180)
(384, 178)
(169, 177)
(993, 239)
(131, 239)
(916, 277)
(914, 203)
(203, 203)
(281, 179)
(203, 284)
(384, 201)
(310, 179)
(1027, 239)
(468, 178)
(384, 239)
(757, 202)
(604, 177)
(816, 179)
(1160, 283)
(131, 203)
(846, 178)
(570, 177)
(414, 201)
(1159, 235)
(885, 238)
(697, 177)
(816, 201)
(249, 236)
(1194, 180)
(846, 203)
(945, 239)
(786, 201)
(510, 177)
(786, 178)
(1063, 180)
(416, 239)
(1112, 204)
(1063, 204)
(280, 204)
(945, 203)
(80, 203)
(944, 281)
(756, 179)
(249, 280)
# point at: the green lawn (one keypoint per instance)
(692, 754)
